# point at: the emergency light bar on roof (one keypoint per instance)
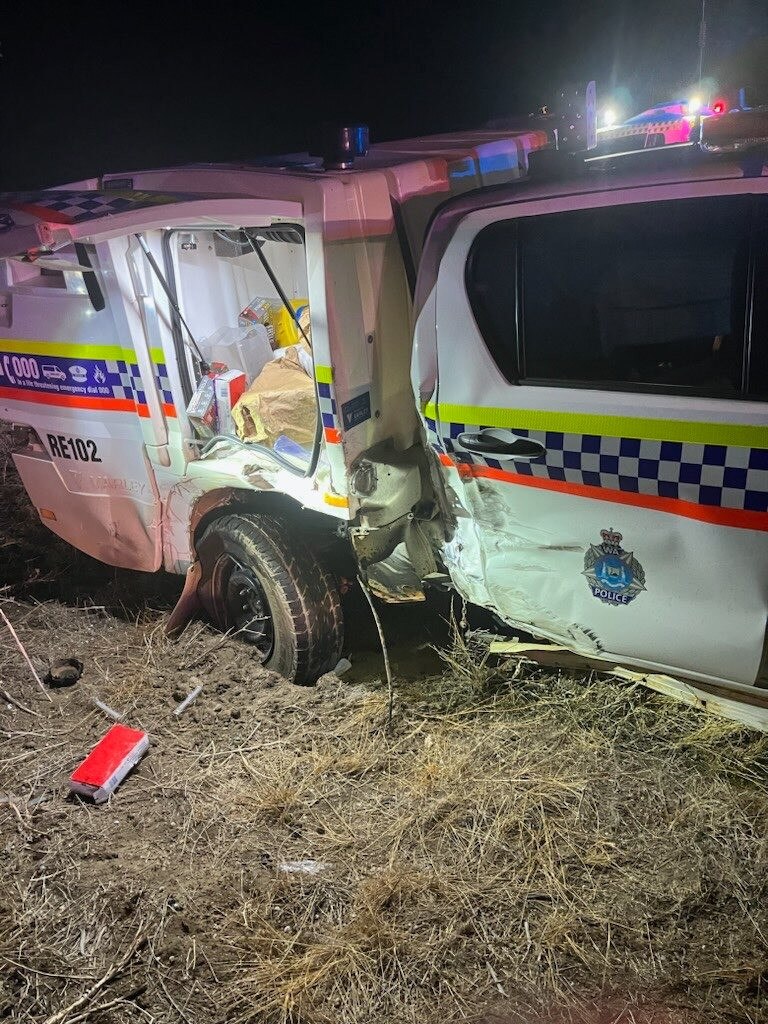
(727, 125)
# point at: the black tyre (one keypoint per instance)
(268, 587)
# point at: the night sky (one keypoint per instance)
(88, 88)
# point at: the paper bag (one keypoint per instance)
(281, 400)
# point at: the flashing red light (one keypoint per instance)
(718, 107)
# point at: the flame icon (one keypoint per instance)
(98, 375)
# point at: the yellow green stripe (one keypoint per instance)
(743, 435)
(324, 374)
(81, 350)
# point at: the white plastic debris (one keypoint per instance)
(188, 700)
(110, 712)
(303, 867)
(343, 666)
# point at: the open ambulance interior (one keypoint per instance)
(243, 319)
(225, 309)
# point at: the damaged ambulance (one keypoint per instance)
(492, 360)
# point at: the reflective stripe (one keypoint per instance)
(84, 402)
(740, 435)
(336, 500)
(75, 350)
(332, 435)
(742, 518)
(168, 410)
(71, 401)
(324, 374)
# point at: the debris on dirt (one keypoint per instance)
(303, 867)
(108, 711)
(17, 703)
(593, 845)
(8, 799)
(116, 753)
(64, 672)
(188, 700)
(23, 650)
(344, 665)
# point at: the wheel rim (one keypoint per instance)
(246, 608)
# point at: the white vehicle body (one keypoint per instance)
(630, 526)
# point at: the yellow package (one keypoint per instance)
(286, 331)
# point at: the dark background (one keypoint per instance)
(88, 88)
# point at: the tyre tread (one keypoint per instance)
(309, 590)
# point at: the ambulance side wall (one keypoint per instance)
(90, 472)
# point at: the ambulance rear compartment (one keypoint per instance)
(243, 296)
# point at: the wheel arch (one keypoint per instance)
(324, 535)
(260, 580)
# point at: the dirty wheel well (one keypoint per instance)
(324, 535)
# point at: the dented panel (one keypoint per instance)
(631, 527)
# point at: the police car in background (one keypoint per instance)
(663, 125)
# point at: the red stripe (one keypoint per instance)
(43, 212)
(71, 401)
(332, 435)
(746, 519)
(84, 402)
(168, 409)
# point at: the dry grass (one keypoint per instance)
(544, 844)
(526, 846)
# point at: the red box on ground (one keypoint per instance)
(109, 762)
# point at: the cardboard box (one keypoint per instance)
(202, 408)
(228, 387)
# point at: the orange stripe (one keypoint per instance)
(43, 212)
(332, 435)
(336, 500)
(71, 401)
(746, 519)
(168, 409)
(84, 402)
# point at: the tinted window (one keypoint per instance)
(650, 294)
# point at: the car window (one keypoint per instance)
(645, 295)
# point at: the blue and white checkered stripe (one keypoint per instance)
(73, 206)
(137, 384)
(705, 474)
(126, 381)
(328, 410)
(163, 382)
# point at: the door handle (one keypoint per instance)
(501, 444)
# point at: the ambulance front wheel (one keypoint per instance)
(266, 587)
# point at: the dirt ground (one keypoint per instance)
(524, 846)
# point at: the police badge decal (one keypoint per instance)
(614, 575)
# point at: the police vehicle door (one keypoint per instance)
(599, 424)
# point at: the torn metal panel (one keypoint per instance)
(394, 579)
(188, 604)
